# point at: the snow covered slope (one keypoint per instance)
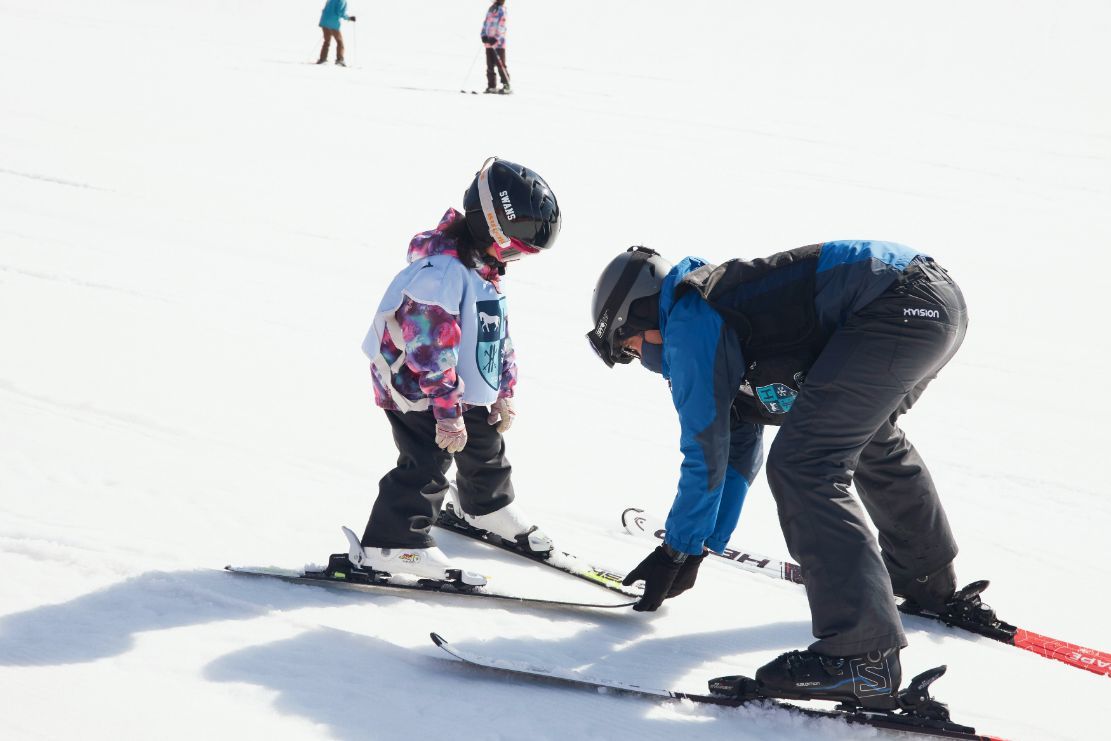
(196, 224)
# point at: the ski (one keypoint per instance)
(965, 612)
(340, 575)
(558, 560)
(921, 715)
(642, 524)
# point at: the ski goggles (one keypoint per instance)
(612, 326)
(515, 251)
(611, 352)
(508, 248)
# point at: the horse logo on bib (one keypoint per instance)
(491, 333)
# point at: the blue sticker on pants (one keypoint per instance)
(777, 398)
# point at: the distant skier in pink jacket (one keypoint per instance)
(493, 38)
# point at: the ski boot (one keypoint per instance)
(931, 591)
(378, 564)
(869, 681)
(507, 526)
(490, 90)
(913, 707)
(965, 610)
(505, 90)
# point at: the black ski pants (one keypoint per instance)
(495, 61)
(410, 496)
(843, 430)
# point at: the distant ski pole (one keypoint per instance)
(463, 85)
(501, 66)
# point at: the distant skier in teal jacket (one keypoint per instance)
(334, 12)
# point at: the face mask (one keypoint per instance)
(652, 357)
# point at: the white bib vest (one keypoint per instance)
(445, 282)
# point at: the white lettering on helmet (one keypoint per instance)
(507, 206)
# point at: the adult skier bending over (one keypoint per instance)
(440, 355)
(832, 342)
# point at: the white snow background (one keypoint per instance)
(196, 224)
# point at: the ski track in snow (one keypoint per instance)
(196, 224)
(48, 179)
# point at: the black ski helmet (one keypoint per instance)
(635, 274)
(507, 202)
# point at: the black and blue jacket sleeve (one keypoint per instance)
(721, 455)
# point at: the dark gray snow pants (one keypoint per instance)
(410, 496)
(843, 430)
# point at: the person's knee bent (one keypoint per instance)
(785, 457)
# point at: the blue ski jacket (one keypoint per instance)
(705, 366)
(334, 12)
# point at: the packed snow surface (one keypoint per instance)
(196, 223)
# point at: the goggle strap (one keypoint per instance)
(486, 200)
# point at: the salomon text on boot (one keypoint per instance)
(869, 681)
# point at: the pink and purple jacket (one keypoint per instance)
(494, 26)
(431, 338)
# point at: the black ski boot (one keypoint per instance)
(964, 609)
(808, 676)
(869, 681)
(932, 591)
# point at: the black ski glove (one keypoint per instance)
(688, 572)
(658, 572)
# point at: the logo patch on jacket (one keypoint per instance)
(490, 316)
(777, 398)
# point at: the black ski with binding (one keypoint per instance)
(340, 574)
(919, 713)
(559, 560)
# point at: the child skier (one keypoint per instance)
(444, 371)
(493, 38)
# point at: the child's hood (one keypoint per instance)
(434, 241)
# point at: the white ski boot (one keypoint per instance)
(425, 563)
(508, 523)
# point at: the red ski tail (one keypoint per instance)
(1095, 661)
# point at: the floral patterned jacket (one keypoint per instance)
(493, 27)
(431, 338)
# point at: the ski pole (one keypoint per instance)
(470, 69)
(501, 66)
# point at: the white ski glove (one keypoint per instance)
(451, 434)
(501, 414)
